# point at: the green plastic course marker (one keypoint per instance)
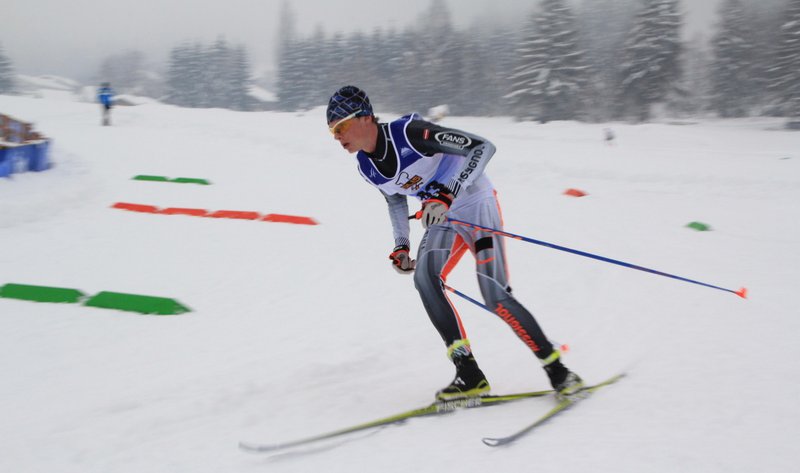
(699, 226)
(144, 177)
(191, 180)
(41, 293)
(136, 303)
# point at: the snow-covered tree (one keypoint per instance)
(290, 62)
(650, 59)
(7, 82)
(603, 25)
(240, 78)
(487, 64)
(178, 85)
(695, 81)
(209, 76)
(551, 76)
(438, 58)
(784, 75)
(732, 69)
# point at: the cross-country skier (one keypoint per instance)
(105, 95)
(443, 168)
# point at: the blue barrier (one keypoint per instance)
(5, 163)
(24, 157)
(40, 161)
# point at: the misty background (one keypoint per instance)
(72, 38)
(539, 60)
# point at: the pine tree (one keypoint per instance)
(696, 79)
(318, 92)
(551, 76)
(603, 24)
(209, 76)
(477, 78)
(178, 79)
(217, 86)
(292, 72)
(651, 59)
(240, 79)
(784, 75)
(7, 82)
(767, 17)
(501, 57)
(732, 69)
(196, 77)
(438, 58)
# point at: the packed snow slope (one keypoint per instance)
(297, 330)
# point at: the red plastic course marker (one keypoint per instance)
(299, 220)
(237, 214)
(136, 207)
(184, 211)
(574, 192)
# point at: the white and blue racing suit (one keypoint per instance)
(414, 158)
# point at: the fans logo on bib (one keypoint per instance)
(453, 140)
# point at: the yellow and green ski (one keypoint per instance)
(437, 408)
(559, 408)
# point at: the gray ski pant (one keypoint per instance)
(441, 248)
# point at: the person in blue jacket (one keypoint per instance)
(105, 95)
(443, 169)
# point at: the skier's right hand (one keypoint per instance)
(401, 260)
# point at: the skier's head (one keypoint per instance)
(346, 102)
(351, 121)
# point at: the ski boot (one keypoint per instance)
(469, 381)
(566, 384)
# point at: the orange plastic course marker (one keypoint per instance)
(237, 214)
(574, 192)
(136, 207)
(184, 211)
(233, 214)
(289, 219)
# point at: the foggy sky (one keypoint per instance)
(72, 37)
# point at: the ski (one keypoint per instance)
(437, 408)
(559, 408)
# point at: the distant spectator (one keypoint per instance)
(105, 95)
(609, 136)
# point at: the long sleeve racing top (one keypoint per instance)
(414, 157)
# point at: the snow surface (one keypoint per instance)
(297, 330)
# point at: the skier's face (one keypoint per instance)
(353, 133)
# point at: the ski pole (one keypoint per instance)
(563, 347)
(741, 292)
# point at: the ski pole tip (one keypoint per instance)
(742, 293)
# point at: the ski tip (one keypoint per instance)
(742, 293)
(492, 442)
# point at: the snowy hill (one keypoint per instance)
(47, 86)
(297, 330)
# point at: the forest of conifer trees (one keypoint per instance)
(564, 60)
(606, 59)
